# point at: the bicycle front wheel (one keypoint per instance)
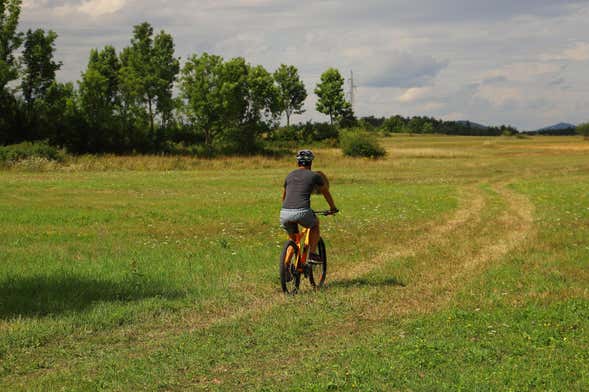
(290, 278)
(318, 270)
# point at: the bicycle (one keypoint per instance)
(294, 264)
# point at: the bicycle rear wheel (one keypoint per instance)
(318, 270)
(290, 279)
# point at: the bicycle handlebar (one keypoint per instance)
(326, 212)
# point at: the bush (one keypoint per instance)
(361, 144)
(583, 129)
(18, 152)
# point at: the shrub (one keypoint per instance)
(361, 144)
(583, 129)
(323, 131)
(18, 152)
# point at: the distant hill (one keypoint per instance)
(557, 127)
(560, 129)
(472, 124)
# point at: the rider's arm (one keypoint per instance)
(328, 198)
(283, 194)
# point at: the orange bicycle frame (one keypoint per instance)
(302, 241)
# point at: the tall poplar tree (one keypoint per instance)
(331, 96)
(149, 70)
(291, 91)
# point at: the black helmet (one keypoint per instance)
(305, 157)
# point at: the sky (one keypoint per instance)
(518, 62)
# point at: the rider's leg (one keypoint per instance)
(290, 250)
(314, 237)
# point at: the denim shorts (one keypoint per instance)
(290, 219)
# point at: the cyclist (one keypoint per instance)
(296, 201)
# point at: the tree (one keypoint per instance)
(40, 69)
(331, 94)
(107, 64)
(204, 94)
(229, 101)
(97, 106)
(10, 40)
(166, 68)
(394, 124)
(346, 118)
(54, 113)
(291, 91)
(261, 108)
(148, 73)
(583, 129)
(99, 88)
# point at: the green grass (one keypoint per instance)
(456, 263)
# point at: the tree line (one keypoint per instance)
(141, 98)
(428, 125)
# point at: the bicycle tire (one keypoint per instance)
(318, 272)
(290, 279)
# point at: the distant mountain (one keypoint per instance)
(557, 127)
(560, 129)
(472, 124)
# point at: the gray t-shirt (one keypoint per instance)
(299, 185)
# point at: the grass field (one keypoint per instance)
(457, 263)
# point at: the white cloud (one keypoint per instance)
(415, 94)
(92, 8)
(101, 7)
(577, 52)
(523, 71)
(500, 95)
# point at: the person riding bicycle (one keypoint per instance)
(296, 201)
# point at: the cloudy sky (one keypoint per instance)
(519, 62)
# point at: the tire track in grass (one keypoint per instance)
(432, 288)
(272, 297)
(437, 286)
(470, 211)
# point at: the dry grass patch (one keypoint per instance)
(425, 152)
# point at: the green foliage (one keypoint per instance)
(202, 89)
(110, 122)
(55, 114)
(361, 144)
(39, 66)
(10, 41)
(308, 132)
(291, 91)
(583, 129)
(17, 152)
(394, 124)
(11, 119)
(148, 72)
(331, 99)
(429, 125)
(229, 102)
